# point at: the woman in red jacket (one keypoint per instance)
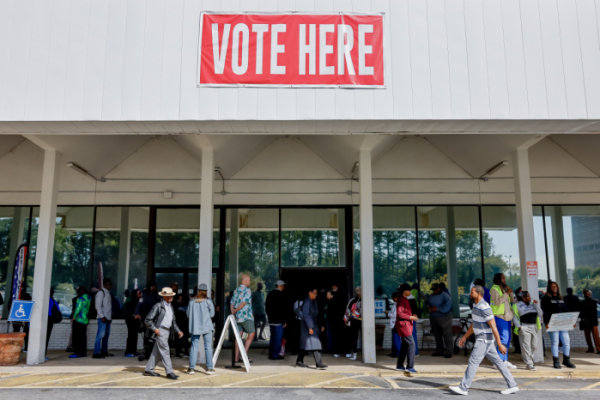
(404, 326)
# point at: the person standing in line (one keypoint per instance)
(162, 326)
(553, 303)
(241, 307)
(258, 311)
(133, 324)
(73, 305)
(53, 310)
(335, 315)
(527, 324)
(182, 344)
(396, 341)
(80, 323)
(103, 302)
(588, 309)
(200, 312)
(414, 306)
(327, 323)
(404, 326)
(309, 331)
(147, 301)
(276, 309)
(440, 316)
(501, 297)
(484, 328)
(572, 301)
(354, 317)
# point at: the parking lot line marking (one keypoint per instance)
(255, 379)
(392, 382)
(189, 380)
(532, 382)
(65, 379)
(333, 380)
(116, 380)
(591, 386)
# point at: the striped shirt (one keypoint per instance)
(482, 313)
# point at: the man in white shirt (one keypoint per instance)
(103, 304)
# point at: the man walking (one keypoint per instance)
(161, 327)
(527, 323)
(484, 327)
(501, 297)
(440, 316)
(241, 307)
(276, 308)
(103, 303)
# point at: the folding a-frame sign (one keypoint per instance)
(231, 321)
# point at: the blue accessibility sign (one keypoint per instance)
(20, 311)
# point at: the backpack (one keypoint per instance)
(298, 310)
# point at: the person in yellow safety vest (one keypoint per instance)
(500, 300)
(527, 324)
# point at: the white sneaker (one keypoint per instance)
(510, 390)
(458, 390)
(190, 371)
(353, 358)
(349, 355)
(336, 355)
(531, 368)
(510, 365)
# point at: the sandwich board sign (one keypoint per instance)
(230, 321)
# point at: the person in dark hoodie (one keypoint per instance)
(553, 303)
(133, 324)
(147, 301)
(276, 308)
(589, 321)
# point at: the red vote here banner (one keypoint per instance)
(291, 50)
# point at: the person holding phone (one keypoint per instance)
(484, 327)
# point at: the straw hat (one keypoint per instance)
(167, 292)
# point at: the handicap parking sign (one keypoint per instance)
(20, 311)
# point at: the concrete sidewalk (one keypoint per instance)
(588, 365)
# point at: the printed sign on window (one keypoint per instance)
(291, 50)
(532, 269)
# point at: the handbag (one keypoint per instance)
(56, 314)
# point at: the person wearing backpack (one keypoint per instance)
(309, 331)
(104, 318)
(80, 322)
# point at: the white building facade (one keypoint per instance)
(477, 156)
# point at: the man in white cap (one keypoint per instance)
(162, 326)
(277, 312)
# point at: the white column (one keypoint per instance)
(16, 239)
(452, 264)
(233, 248)
(366, 258)
(522, 183)
(206, 219)
(43, 258)
(124, 252)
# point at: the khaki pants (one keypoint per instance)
(528, 337)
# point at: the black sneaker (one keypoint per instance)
(150, 373)
(301, 365)
(172, 376)
(100, 356)
(108, 355)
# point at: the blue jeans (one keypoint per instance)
(207, 350)
(504, 332)
(101, 344)
(396, 344)
(415, 337)
(276, 338)
(566, 342)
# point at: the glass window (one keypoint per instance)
(72, 251)
(177, 238)
(432, 223)
(501, 244)
(573, 237)
(468, 252)
(252, 249)
(311, 238)
(121, 247)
